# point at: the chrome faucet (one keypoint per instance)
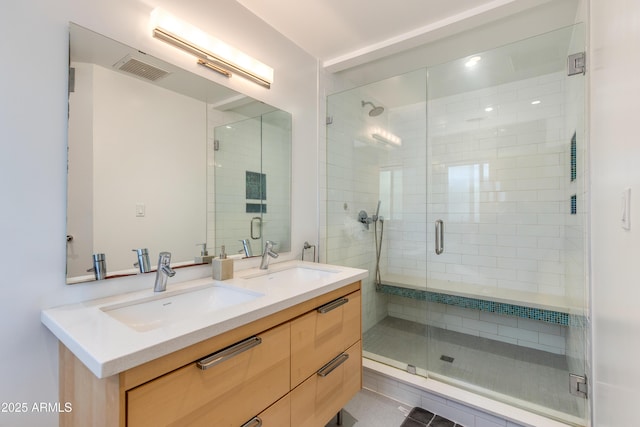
(246, 248)
(164, 271)
(268, 252)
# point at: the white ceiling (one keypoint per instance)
(343, 32)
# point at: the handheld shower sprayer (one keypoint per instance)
(377, 215)
(366, 220)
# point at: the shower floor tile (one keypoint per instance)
(531, 375)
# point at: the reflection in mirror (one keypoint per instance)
(252, 183)
(139, 170)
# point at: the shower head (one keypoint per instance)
(375, 111)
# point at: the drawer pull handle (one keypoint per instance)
(332, 305)
(228, 353)
(329, 367)
(253, 422)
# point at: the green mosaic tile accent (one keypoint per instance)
(549, 316)
(256, 185)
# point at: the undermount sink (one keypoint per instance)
(295, 274)
(166, 309)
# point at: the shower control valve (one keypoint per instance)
(364, 218)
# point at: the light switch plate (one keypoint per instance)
(140, 209)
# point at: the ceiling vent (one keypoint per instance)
(140, 69)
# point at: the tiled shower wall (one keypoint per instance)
(512, 162)
(510, 329)
(497, 179)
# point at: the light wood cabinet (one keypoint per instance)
(322, 334)
(321, 396)
(226, 394)
(277, 415)
(306, 366)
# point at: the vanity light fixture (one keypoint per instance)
(386, 137)
(211, 52)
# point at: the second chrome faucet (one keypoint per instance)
(267, 254)
(164, 271)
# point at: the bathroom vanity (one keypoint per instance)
(285, 352)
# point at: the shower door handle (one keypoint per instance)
(256, 224)
(439, 236)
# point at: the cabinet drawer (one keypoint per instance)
(227, 394)
(276, 415)
(320, 335)
(319, 398)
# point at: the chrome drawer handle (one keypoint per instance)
(228, 353)
(329, 367)
(332, 305)
(254, 422)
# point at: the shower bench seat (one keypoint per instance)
(546, 308)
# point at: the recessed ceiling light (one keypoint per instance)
(536, 102)
(488, 109)
(472, 61)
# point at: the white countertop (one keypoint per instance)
(107, 346)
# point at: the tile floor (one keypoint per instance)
(370, 409)
(419, 417)
(531, 375)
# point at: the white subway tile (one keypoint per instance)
(480, 326)
(518, 334)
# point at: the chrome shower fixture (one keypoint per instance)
(377, 215)
(365, 219)
(375, 111)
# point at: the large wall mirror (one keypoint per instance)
(165, 160)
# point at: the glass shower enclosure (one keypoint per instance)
(461, 188)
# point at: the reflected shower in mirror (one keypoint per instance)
(140, 174)
(260, 188)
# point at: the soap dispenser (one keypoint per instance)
(222, 266)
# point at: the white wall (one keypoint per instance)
(172, 127)
(615, 153)
(33, 123)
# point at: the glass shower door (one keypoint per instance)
(506, 224)
(376, 209)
